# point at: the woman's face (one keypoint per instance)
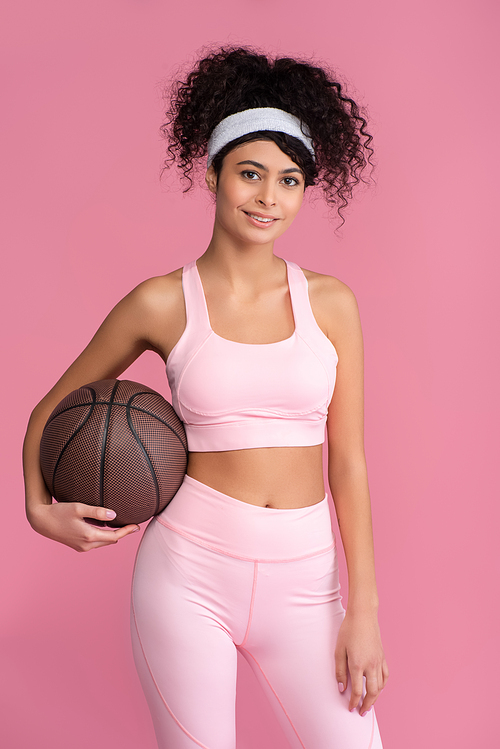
(259, 192)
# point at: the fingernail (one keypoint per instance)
(110, 514)
(136, 529)
(352, 708)
(341, 687)
(363, 714)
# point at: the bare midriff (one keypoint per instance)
(277, 477)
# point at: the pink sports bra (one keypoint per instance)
(233, 396)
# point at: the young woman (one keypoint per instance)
(261, 355)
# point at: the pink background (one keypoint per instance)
(87, 219)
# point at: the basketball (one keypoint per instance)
(115, 444)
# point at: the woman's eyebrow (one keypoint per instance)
(265, 169)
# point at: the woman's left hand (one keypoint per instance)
(359, 650)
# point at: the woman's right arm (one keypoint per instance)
(133, 326)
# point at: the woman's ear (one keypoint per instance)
(211, 179)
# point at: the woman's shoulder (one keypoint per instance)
(157, 307)
(159, 293)
(156, 300)
(333, 304)
(330, 293)
(159, 284)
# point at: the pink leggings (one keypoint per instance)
(215, 575)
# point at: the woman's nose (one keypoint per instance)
(266, 197)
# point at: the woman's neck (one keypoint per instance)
(240, 266)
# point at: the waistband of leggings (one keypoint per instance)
(247, 531)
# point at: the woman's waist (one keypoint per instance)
(275, 477)
(220, 522)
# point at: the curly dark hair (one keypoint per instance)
(232, 79)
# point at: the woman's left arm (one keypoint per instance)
(359, 647)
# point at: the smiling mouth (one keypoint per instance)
(261, 219)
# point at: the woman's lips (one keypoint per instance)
(260, 219)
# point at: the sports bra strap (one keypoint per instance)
(194, 298)
(299, 294)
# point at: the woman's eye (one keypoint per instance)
(290, 181)
(250, 175)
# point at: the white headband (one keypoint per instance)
(253, 120)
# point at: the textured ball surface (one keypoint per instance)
(115, 444)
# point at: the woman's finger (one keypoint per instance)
(373, 690)
(125, 531)
(385, 673)
(357, 687)
(90, 511)
(341, 668)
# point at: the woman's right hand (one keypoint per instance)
(66, 522)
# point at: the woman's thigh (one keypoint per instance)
(183, 640)
(297, 613)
